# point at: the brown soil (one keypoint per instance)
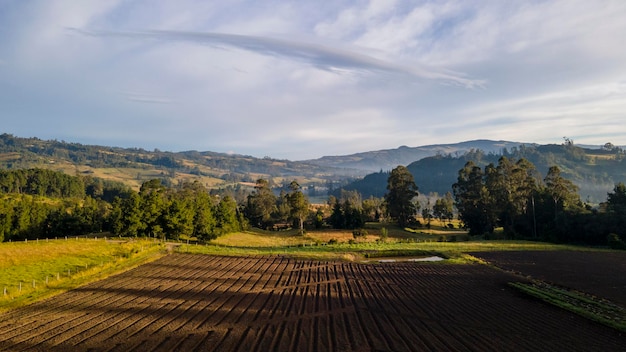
(186, 302)
(600, 273)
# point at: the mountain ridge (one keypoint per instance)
(387, 159)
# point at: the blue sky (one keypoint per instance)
(302, 79)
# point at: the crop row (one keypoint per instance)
(198, 302)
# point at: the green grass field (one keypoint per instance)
(33, 270)
(342, 245)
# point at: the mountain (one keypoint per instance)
(390, 158)
(133, 166)
(595, 170)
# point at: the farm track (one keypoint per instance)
(186, 302)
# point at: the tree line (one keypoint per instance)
(510, 195)
(513, 196)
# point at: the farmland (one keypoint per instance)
(274, 302)
(35, 269)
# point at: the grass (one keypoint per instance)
(33, 270)
(590, 307)
(341, 245)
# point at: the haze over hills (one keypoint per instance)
(595, 169)
(389, 158)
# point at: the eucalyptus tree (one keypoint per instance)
(563, 192)
(444, 208)
(299, 205)
(261, 205)
(399, 199)
(473, 201)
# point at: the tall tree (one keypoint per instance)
(261, 205)
(401, 190)
(444, 207)
(299, 205)
(564, 193)
(153, 206)
(472, 200)
(226, 216)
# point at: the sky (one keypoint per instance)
(306, 78)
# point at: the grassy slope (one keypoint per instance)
(56, 266)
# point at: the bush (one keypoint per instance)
(359, 233)
(333, 241)
(615, 242)
(384, 234)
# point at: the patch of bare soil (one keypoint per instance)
(601, 273)
(186, 302)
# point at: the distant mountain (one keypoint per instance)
(133, 166)
(390, 158)
(594, 170)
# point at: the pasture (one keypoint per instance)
(35, 269)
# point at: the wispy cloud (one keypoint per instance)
(147, 98)
(321, 56)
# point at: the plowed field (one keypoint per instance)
(599, 273)
(190, 302)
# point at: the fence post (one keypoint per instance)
(20, 290)
(33, 283)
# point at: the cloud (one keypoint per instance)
(307, 78)
(147, 98)
(321, 56)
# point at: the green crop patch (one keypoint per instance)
(588, 306)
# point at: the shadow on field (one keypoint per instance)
(193, 302)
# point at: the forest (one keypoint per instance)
(509, 196)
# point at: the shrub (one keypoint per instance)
(615, 242)
(359, 233)
(384, 234)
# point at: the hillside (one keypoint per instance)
(133, 166)
(594, 171)
(389, 158)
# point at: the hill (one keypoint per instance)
(133, 166)
(389, 158)
(594, 170)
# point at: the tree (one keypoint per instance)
(510, 186)
(563, 192)
(153, 206)
(128, 216)
(204, 217)
(401, 190)
(472, 200)
(299, 205)
(444, 208)
(226, 216)
(178, 218)
(261, 205)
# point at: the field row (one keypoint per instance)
(196, 302)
